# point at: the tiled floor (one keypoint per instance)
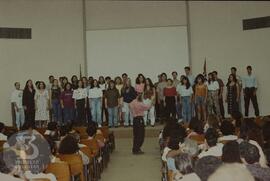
(125, 166)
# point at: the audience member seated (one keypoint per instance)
(206, 166)
(250, 157)
(195, 127)
(2, 130)
(92, 131)
(52, 130)
(69, 145)
(252, 133)
(233, 172)
(185, 168)
(176, 137)
(228, 130)
(212, 147)
(266, 132)
(230, 152)
(237, 119)
(212, 122)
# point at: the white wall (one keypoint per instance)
(137, 50)
(217, 34)
(56, 46)
(130, 14)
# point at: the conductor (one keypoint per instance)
(137, 108)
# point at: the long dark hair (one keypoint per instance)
(138, 78)
(26, 85)
(95, 80)
(150, 84)
(229, 81)
(187, 84)
(200, 76)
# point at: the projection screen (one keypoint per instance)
(149, 51)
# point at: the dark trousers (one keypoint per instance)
(138, 134)
(221, 107)
(80, 112)
(30, 115)
(170, 107)
(249, 95)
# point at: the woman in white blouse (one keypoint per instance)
(185, 93)
(212, 97)
(95, 95)
(80, 97)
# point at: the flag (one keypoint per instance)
(204, 67)
(80, 71)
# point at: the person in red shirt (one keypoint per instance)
(137, 108)
(67, 104)
(170, 99)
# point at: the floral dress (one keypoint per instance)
(42, 98)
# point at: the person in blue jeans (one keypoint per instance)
(67, 104)
(55, 94)
(128, 94)
(95, 95)
(185, 93)
(112, 102)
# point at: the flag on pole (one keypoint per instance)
(80, 71)
(204, 67)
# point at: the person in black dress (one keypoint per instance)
(232, 97)
(29, 102)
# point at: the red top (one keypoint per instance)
(169, 92)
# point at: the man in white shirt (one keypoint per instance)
(16, 100)
(214, 148)
(190, 77)
(250, 88)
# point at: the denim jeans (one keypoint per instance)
(113, 115)
(68, 114)
(57, 111)
(186, 108)
(95, 107)
(20, 117)
(128, 116)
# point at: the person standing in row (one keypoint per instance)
(16, 100)
(74, 82)
(80, 97)
(160, 96)
(137, 108)
(95, 95)
(201, 97)
(191, 79)
(29, 102)
(170, 99)
(42, 105)
(185, 93)
(112, 103)
(212, 96)
(55, 94)
(149, 97)
(220, 94)
(232, 97)
(67, 104)
(176, 82)
(250, 92)
(124, 78)
(119, 86)
(128, 94)
(239, 82)
(140, 83)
